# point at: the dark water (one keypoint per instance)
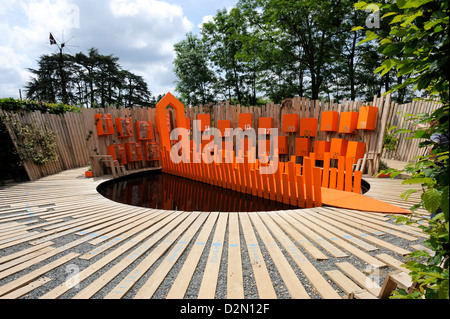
(169, 192)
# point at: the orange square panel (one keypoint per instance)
(289, 123)
(320, 148)
(245, 121)
(151, 150)
(124, 127)
(222, 126)
(367, 118)
(133, 151)
(266, 123)
(144, 130)
(329, 121)
(308, 126)
(118, 153)
(355, 150)
(347, 122)
(302, 146)
(338, 147)
(283, 146)
(205, 122)
(104, 124)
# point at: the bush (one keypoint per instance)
(10, 104)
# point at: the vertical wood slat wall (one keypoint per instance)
(77, 138)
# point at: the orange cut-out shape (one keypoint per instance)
(266, 123)
(168, 100)
(289, 123)
(348, 122)
(367, 118)
(329, 121)
(350, 200)
(104, 124)
(245, 121)
(338, 147)
(302, 146)
(308, 126)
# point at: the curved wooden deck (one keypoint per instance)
(59, 238)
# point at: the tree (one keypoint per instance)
(90, 80)
(195, 80)
(416, 47)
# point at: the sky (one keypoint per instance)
(141, 33)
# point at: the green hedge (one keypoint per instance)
(10, 104)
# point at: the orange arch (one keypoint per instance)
(164, 134)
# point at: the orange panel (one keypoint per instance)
(308, 182)
(161, 118)
(350, 200)
(355, 150)
(329, 121)
(348, 122)
(308, 126)
(326, 170)
(134, 151)
(279, 187)
(118, 153)
(348, 174)
(283, 146)
(266, 123)
(124, 126)
(338, 147)
(222, 126)
(292, 183)
(320, 148)
(245, 121)
(290, 123)
(205, 122)
(144, 130)
(317, 175)
(302, 146)
(357, 182)
(104, 124)
(367, 118)
(301, 191)
(286, 193)
(340, 173)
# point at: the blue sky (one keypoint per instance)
(140, 32)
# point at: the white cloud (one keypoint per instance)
(140, 32)
(205, 19)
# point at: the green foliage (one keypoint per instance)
(34, 143)
(10, 104)
(91, 80)
(416, 46)
(389, 139)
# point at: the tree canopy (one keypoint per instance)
(91, 80)
(278, 49)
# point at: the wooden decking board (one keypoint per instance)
(160, 229)
(146, 226)
(154, 281)
(325, 244)
(181, 283)
(235, 281)
(367, 237)
(340, 242)
(288, 275)
(360, 278)
(338, 232)
(209, 281)
(316, 279)
(122, 234)
(172, 230)
(262, 277)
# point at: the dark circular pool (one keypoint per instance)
(158, 190)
